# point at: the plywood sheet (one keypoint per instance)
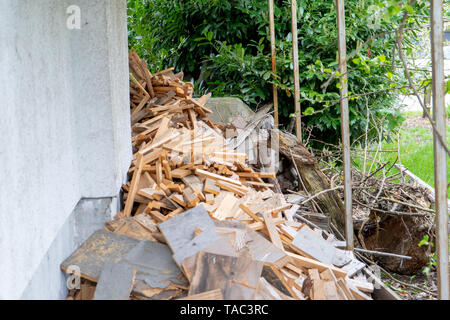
(102, 246)
(237, 277)
(115, 282)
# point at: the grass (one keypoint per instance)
(416, 150)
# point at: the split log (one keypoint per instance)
(313, 178)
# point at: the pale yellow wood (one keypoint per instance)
(273, 232)
(133, 186)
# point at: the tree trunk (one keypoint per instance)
(313, 178)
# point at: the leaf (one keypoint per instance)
(409, 9)
(309, 111)
(447, 87)
(266, 75)
(356, 60)
(382, 58)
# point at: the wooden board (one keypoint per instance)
(265, 291)
(154, 264)
(133, 186)
(237, 277)
(209, 295)
(102, 246)
(311, 263)
(226, 207)
(179, 233)
(221, 246)
(257, 247)
(115, 282)
(273, 232)
(308, 243)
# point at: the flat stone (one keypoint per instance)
(227, 108)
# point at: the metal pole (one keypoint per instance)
(440, 156)
(274, 60)
(345, 132)
(298, 122)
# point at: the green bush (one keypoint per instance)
(224, 47)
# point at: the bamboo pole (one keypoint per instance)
(345, 131)
(298, 122)
(440, 155)
(274, 60)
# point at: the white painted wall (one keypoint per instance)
(64, 124)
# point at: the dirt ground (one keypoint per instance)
(409, 292)
(420, 280)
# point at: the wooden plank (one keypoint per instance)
(162, 129)
(274, 278)
(180, 173)
(363, 286)
(259, 248)
(222, 246)
(265, 291)
(348, 294)
(209, 198)
(211, 187)
(381, 291)
(190, 198)
(231, 187)
(192, 181)
(167, 170)
(168, 136)
(133, 186)
(155, 266)
(102, 246)
(225, 208)
(86, 292)
(208, 295)
(193, 118)
(273, 232)
(115, 282)
(359, 295)
(311, 245)
(158, 171)
(179, 233)
(216, 177)
(130, 227)
(311, 263)
(237, 277)
(178, 198)
(250, 212)
(329, 275)
(256, 174)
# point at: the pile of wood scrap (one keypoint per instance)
(199, 223)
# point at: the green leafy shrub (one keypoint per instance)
(224, 47)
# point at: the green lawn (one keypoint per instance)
(416, 150)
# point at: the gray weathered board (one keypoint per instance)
(221, 246)
(154, 264)
(115, 282)
(237, 277)
(257, 247)
(193, 181)
(102, 246)
(313, 245)
(179, 233)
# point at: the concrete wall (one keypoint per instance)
(64, 134)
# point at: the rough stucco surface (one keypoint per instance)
(101, 105)
(64, 126)
(49, 282)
